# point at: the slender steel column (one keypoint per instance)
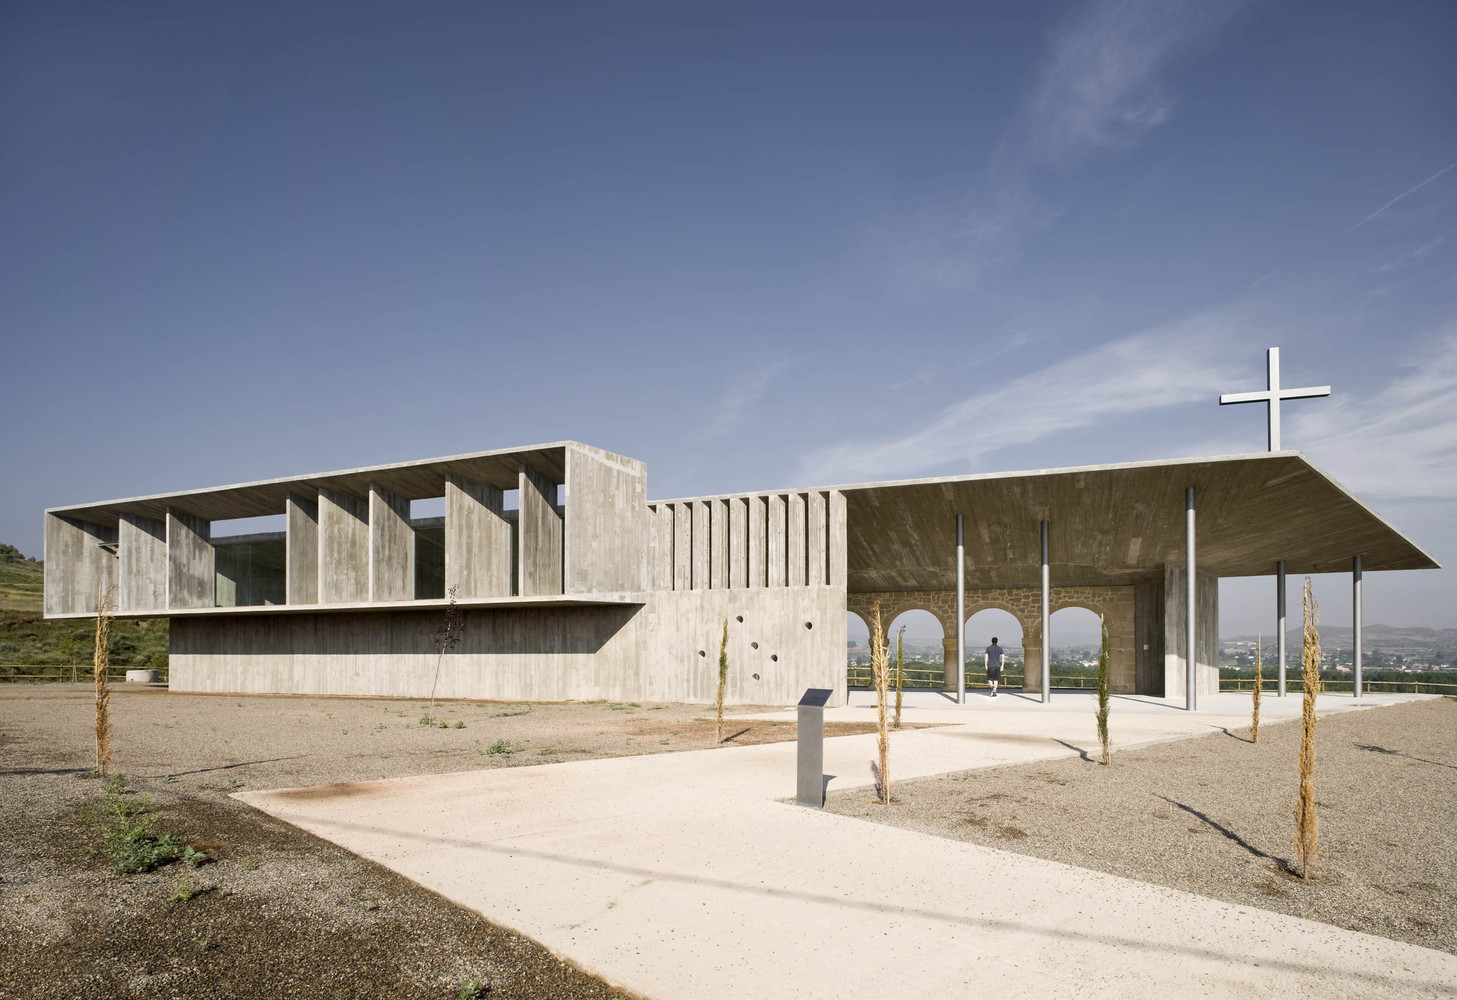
(1191, 697)
(1046, 631)
(1356, 624)
(960, 613)
(1280, 619)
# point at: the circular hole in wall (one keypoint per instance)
(702, 653)
(754, 645)
(809, 624)
(739, 619)
(756, 677)
(774, 657)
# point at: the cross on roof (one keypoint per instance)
(1273, 395)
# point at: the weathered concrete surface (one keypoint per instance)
(141, 564)
(477, 540)
(758, 541)
(538, 535)
(686, 876)
(1176, 640)
(777, 548)
(301, 548)
(78, 566)
(343, 548)
(391, 546)
(190, 573)
(702, 544)
(607, 523)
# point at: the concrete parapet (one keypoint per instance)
(80, 564)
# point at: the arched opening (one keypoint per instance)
(980, 630)
(1075, 642)
(922, 643)
(857, 641)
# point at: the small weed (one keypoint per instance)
(424, 720)
(459, 725)
(234, 783)
(169, 779)
(369, 904)
(656, 708)
(193, 858)
(472, 989)
(249, 865)
(545, 751)
(203, 944)
(663, 743)
(444, 724)
(1429, 886)
(503, 746)
(1203, 784)
(183, 892)
(126, 829)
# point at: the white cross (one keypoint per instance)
(1273, 395)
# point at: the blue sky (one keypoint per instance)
(753, 245)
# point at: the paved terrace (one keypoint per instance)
(690, 877)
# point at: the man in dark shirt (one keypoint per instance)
(992, 660)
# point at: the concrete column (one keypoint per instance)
(477, 539)
(718, 570)
(738, 543)
(343, 548)
(1356, 625)
(1280, 621)
(777, 540)
(815, 522)
(301, 549)
(702, 545)
(391, 546)
(1046, 611)
(1191, 589)
(141, 564)
(960, 611)
(682, 546)
(191, 578)
(948, 663)
(837, 540)
(796, 545)
(539, 526)
(758, 541)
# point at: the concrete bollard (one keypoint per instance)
(811, 785)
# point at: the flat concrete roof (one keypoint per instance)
(423, 604)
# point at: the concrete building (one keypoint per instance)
(576, 586)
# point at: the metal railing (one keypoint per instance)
(30, 673)
(1339, 686)
(922, 678)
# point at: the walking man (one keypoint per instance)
(992, 660)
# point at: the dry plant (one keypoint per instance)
(1307, 825)
(105, 605)
(722, 676)
(900, 671)
(1103, 691)
(1259, 683)
(880, 669)
(445, 638)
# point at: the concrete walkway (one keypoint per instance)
(687, 877)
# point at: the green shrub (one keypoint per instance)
(126, 825)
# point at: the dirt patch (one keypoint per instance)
(275, 911)
(1213, 816)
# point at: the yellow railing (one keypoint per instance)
(1328, 686)
(30, 673)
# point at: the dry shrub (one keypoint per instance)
(880, 669)
(1103, 693)
(1307, 824)
(105, 605)
(1259, 683)
(723, 666)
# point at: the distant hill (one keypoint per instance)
(21, 581)
(1386, 635)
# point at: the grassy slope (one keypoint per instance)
(26, 638)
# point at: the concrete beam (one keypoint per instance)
(391, 546)
(80, 564)
(477, 539)
(758, 552)
(777, 539)
(795, 543)
(141, 564)
(301, 549)
(539, 527)
(191, 578)
(343, 548)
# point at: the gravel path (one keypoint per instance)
(1214, 816)
(274, 911)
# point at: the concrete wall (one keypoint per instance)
(1206, 615)
(539, 536)
(77, 566)
(606, 530)
(391, 546)
(477, 540)
(1148, 636)
(343, 548)
(191, 575)
(664, 650)
(141, 564)
(301, 556)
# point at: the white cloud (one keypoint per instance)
(742, 392)
(1168, 366)
(1102, 83)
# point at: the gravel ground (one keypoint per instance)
(274, 911)
(1215, 816)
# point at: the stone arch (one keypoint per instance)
(1115, 605)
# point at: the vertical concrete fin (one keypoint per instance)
(606, 522)
(80, 563)
(777, 539)
(663, 546)
(301, 549)
(816, 568)
(718, 568)
(343, 548)
(477, 539)
(738, 543)
(539, 525)
(837, 540)
(391, 546)
(701, 544)
(141, 564)
(682, 546)
(758, 556)
(191, 577)
(796, 544)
